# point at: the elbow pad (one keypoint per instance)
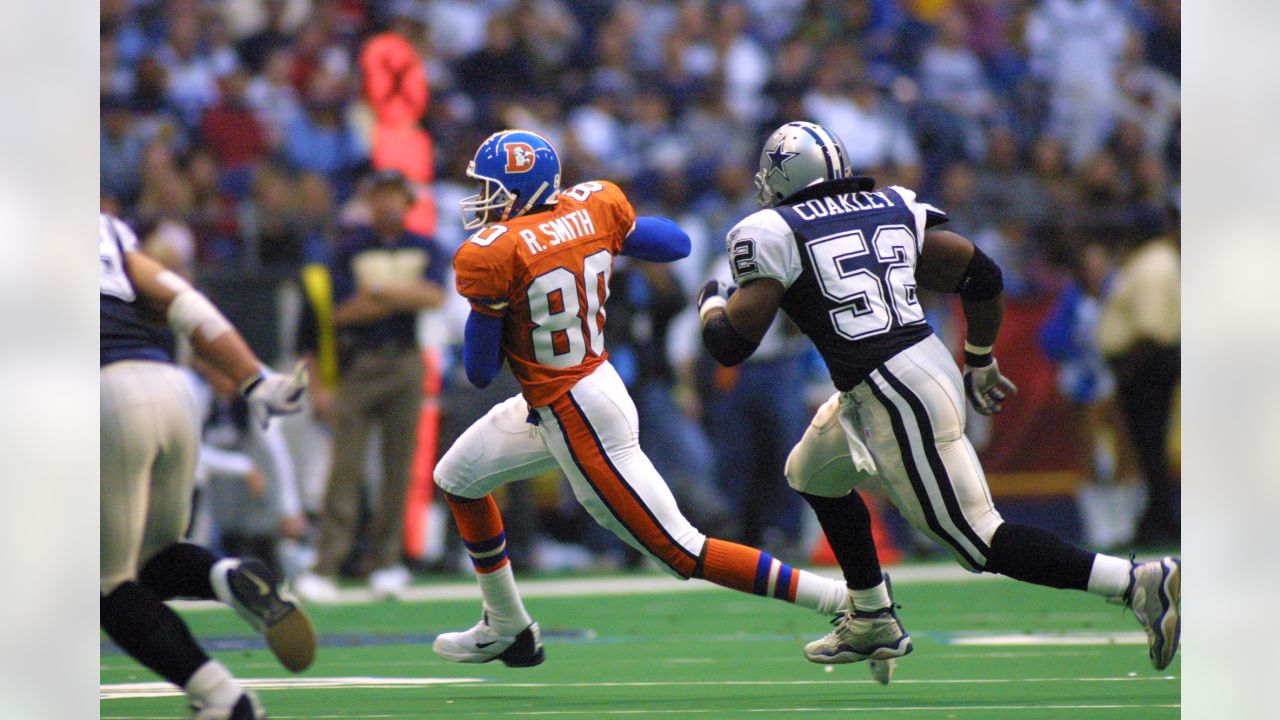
(191, 313)
(982, 279)
(724, 343)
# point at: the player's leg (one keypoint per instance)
(593, 432)
(498, 448)
(248, 586)
(133, 429)
(936, 478)
(821, 468)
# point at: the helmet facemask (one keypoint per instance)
(479, 210)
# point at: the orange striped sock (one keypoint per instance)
(480, 525)
(749, 570)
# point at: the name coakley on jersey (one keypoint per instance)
(841, 204)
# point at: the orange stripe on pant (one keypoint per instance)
(621, 500)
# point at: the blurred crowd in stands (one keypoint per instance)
(236, 138)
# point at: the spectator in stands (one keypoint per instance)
(1164, 42)
(233, 134)
(274, 99)
(1076, 46)
(270, 225)
(499, 69)
(1006, 185)
(256, 48)
(120, 151)
(953, 80)
(322, 141)
(193, 86)
(382, 276)
(1148, 96)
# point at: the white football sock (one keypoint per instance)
(1109, 576)
(502, 601)
(872, 598)
(213, 684)
(820, 593)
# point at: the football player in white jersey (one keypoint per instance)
(149, 441)
(844, 261)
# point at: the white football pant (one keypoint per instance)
(902, 429)
(149, 443)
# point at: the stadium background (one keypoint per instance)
(235, 136)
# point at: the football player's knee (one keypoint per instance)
(451, 475)
(803, 478)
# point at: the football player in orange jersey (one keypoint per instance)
(537, 276)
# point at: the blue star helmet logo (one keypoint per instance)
(778, 160)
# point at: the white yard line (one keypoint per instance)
(120, 691)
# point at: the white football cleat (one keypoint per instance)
(859, 635)
(390, 582)
(482, 644)
(1154, 595)
(256, 594)
(246, 707)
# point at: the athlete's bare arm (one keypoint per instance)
(943, 267)
(213, 338)
(752, 307)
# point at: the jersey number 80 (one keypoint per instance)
(556, 310)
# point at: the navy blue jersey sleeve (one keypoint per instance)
(482, 348)
(656, 239)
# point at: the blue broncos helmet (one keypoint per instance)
(520, 170)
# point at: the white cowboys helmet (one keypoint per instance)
(795, 156)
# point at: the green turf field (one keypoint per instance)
(984, 648)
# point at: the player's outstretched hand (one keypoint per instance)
(272, 393)
(987, 388)
(714, 294)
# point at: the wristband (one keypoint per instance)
(711, 303)
(977, 349)
(251, 382)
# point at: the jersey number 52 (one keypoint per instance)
(557, 311)
(874, 286)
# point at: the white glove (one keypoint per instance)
(987, 388)
(713, 295)
(272, 393)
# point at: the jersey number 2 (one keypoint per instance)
(556, 310)
(869, 299)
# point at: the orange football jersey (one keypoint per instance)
(548, 275)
